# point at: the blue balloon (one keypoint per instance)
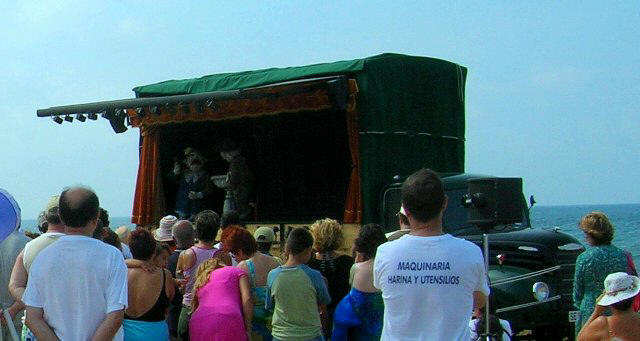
(9, 214)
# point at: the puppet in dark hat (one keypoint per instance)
(194, 184)
(239, 179)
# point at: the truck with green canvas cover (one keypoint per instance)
(329, 140)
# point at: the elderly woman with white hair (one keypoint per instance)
(123, 233)
(623, 324)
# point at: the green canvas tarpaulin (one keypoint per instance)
(410, 112)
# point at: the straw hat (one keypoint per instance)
(619, 286)
(163, 233)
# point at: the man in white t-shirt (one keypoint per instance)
(77, 288)
(430, 281)
(55, 229)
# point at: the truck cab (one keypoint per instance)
(530, 269)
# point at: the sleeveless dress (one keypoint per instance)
(200, 255)
(261, 317)
(151, 325)
(219, 313)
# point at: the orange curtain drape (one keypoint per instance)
(353, 201)
(148, 201)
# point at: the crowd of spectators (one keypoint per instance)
(212, 279)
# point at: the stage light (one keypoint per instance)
(92, 116)
(211, 104)
(80, 118)
(68, 118)
(154, 110)
(57, 119)
(170, 108)
(200, 107)
(140, 112)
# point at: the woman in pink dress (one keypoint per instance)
(222, 307)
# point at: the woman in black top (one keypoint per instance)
(150, 292)
(327, 238)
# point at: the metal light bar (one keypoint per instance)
(98, 107)
(208, 98)
(114, 111)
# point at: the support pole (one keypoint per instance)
(10, 325)
(485, 244)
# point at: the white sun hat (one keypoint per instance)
(619, 286)
(164, 231)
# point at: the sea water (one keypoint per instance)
(625, 219)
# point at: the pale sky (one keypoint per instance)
(552, 89)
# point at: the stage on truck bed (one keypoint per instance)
(300, 161)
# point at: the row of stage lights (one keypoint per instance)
(140, 111)
(79, 117)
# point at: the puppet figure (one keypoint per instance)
(194, 184)
(239, 179)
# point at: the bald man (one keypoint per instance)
(84, 297)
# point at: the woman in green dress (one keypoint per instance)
(593, 265)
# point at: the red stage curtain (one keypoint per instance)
(148, 201)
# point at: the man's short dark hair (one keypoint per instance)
(230, 217)
(78, 206)
(299, 239)
(207, 225)
(423, 195)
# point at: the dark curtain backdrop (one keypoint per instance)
(301, 161)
